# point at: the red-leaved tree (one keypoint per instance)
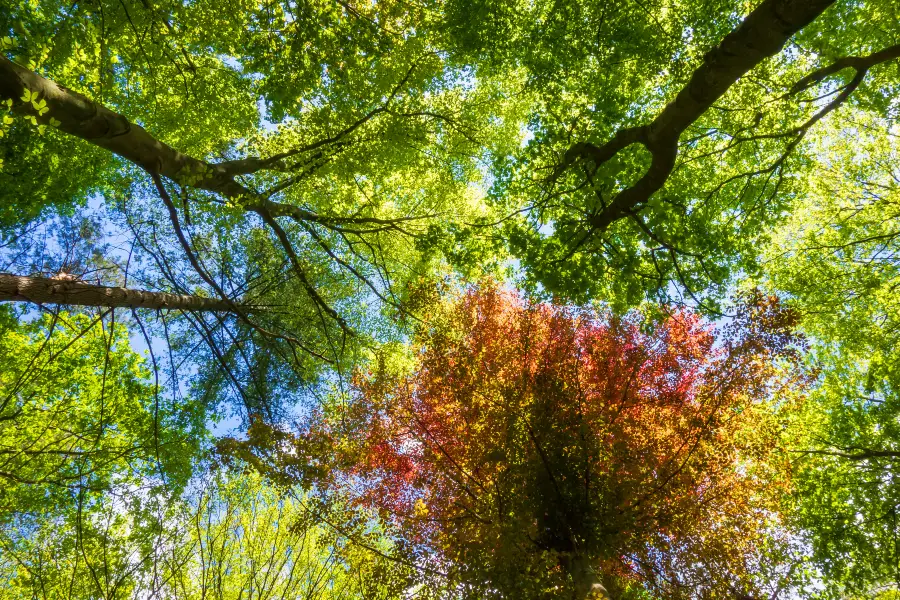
(541, 451)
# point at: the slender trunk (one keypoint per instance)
(44, 290)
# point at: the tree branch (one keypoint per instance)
(44, 290)
(762, 34)
(81, 117)
(858, 63)
(91, 121)
(198, 268)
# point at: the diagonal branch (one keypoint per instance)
(277, 209)
(858, 63)
(81, 117)
(198, 268)
(762, 34)
(288, 247)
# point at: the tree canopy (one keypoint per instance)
(573, 449)
(450, 298)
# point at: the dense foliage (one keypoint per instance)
(567, 447)
(839, 259)
(79, 414)
(244, 238)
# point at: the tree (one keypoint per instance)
(543, 451)
(357, 170)
(316, 160)
(232, 536)
(838, 260)
(665, 150)
(77, 413)
(598, 199)
(317, 219)
(396, 126)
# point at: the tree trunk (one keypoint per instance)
(587, 584)
(44, 290)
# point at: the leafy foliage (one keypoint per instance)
(536, 447)
(596, 70)
(330, 170)
(838, 259)
(79, 414)
(231, 537)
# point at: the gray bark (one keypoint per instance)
(45, 290)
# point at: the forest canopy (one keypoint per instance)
(449, 299)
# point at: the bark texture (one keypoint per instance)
(762, 34)
(45, 290)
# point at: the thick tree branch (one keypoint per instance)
(79, 116)
(600, 154)
(762, 34)
(91, 121)
(44, 290)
